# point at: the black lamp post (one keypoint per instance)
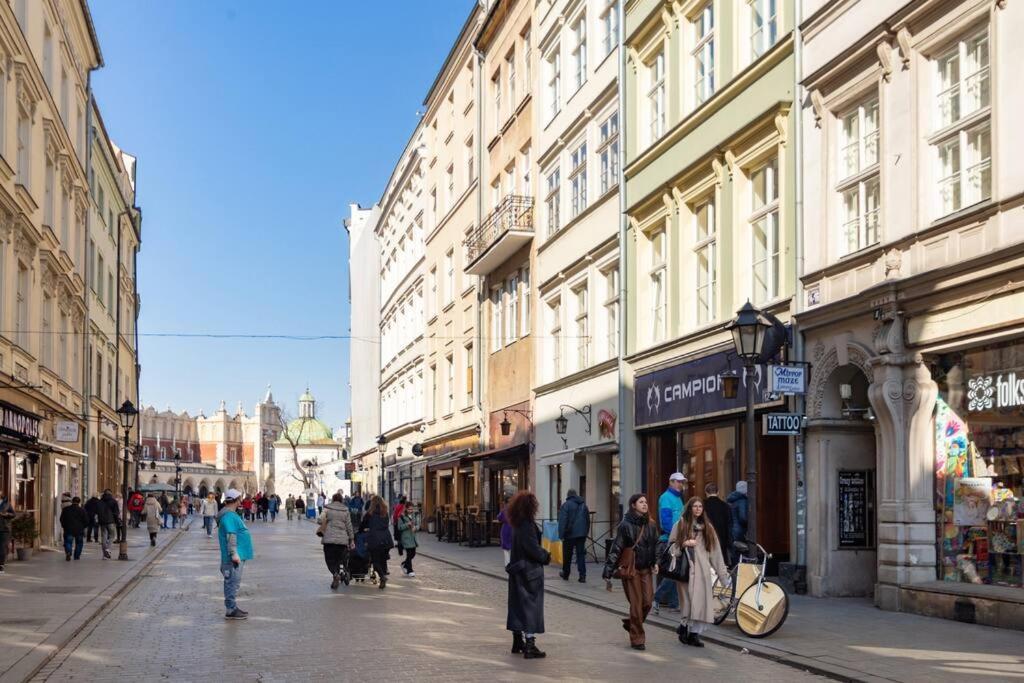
(382, 447)
(126, 413)
(748, 333)
(177, 477)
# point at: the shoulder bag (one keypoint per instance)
(674, 563)
(626, 568)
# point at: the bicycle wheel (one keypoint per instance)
(760, 614)
(722, 599)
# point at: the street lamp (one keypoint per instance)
(382, 447)
(126, 413)
(748, 334)
(177, 477)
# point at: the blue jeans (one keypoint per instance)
(78, 540)
(208, 524)
(666, 594)
(232, 581)
(166, 515)
(579, 546)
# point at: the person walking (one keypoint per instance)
(355, 508)
(135, 505)
(525, 577)
(720, 515)
(573, 528)
(119, 509)
(407, 539)
(264, 506)
(208, 509)
(153, 512)
(337, 537)
(92, 509)
(235, 550)
(395, 514)
(273, 506)
(505, 534)
(6, 515)
(182, 510)
(378, 537)
(695, 535)
(635, 532)
(289, 506)
(321, 500)
(300, 507)
(737, 501)
(74, 521)
(670, 506)
(165, 505)
(108, 517)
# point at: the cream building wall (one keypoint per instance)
(364, 347)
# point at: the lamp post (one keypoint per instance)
(382, 447)
(126, 413)
(177, 477)
(748, 332)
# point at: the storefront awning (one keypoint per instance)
(446, 460)
(56, 448)
(497, 456)
(556, 458)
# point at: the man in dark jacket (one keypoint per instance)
(737, 500)
(108, 516)
(720, 514)
(573, 525)
(92, 509)
(74, 521)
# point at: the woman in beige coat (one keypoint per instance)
(152, 511)
(695, 535)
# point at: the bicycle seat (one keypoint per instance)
(741, 546)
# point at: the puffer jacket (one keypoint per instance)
(645, 550)
(337, 524)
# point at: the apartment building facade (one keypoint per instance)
(911, 303)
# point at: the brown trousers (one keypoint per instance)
(640, 594)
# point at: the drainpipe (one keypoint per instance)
(800, 574)
(478, 351)
(86, 355)
(623, 307)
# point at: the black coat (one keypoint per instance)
(526, 580)
(645, 550)
(720, 514)
(92, 509)
(74, 520)
(378, 532)
(108, 512)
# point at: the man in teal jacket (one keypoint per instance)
(670, 509)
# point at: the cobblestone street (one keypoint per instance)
(447, 623)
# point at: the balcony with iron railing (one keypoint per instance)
(504, 232)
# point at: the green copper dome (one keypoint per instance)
(306, 431)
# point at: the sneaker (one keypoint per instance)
(412, 575)
(656, 609)
(67, 556)
(639, 646)
(2, 569)
(241, 611)
(106, 554)
(335, 582)
(236, 614)
(583, 579)
(405, 571)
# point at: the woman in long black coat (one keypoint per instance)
(525, 576)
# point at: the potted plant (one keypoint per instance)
(24, 532)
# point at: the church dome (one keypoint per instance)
(306, 431)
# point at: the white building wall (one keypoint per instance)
(364, 347)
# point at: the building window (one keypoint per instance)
(578, 179)
(449, 275)
(582, 327)
(24, 289)
(110, 384)
(524, 276)
(99, 375)
(24, 148)
(704, 54)
(450, 388)
(704, 247)
(553, 83)
(65, 219)
(859, 181)
(525, 172)
(658, 279)
(609, 152)
(512, 316)
(496, 95)
(526, 58)
(49, 180)
(496, 328)
(469, 374)
(764, 227)
(555, 332)
(609, 28)
(656, 97)
(470, 162)
(611, 310)
(764, 26)
(963, 143)
(552, 202)
(510, 78)
(579, 52)
(64, 110)
(450, 184)
(47, 340)
(48, 56)
(110, 291)
(432, 293)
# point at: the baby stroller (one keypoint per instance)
(359, 567)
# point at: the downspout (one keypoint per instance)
(800, 575)
(86, 355)
(137, 225)
(478, 351)
(623, 324)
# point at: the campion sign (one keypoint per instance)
(17, 423)
(995, 391)
(787, 379)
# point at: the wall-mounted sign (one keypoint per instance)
(782, 424)
(787, 379)
(65, 431)
(692, 389)
(856, 501)
(606, 423)
(986, 392)
(18, 423)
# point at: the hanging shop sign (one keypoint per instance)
(692, 389)
(782, 424)
(18, 423)
(65, 431)
(856, 508)
(1003, 390)
(787, 379)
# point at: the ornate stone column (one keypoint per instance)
(902, 395)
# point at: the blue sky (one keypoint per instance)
(255, 124)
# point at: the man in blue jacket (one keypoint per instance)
(670, 509)
(573, 525)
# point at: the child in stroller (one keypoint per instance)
(359, 566)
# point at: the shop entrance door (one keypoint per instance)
(773, 496)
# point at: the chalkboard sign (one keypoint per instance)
(856, 509)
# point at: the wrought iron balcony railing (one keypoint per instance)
(513, 215)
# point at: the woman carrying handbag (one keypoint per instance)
(695, 537)
(632, 559)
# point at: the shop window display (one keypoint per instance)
(979, 460)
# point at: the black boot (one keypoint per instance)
(152, 539)
(694, 639)
(683, 631)
(530, 650)
(517, 643)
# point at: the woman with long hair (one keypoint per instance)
(636, 531)
(525, 576)
(695, 535)
(376, 523)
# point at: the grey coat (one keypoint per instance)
(338, 527)
(695, 596)
(153, 511)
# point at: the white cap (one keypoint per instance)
(677, 476)
(232, 494)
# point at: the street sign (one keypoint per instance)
(787, 379)
(65, 431)
(782, 424)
